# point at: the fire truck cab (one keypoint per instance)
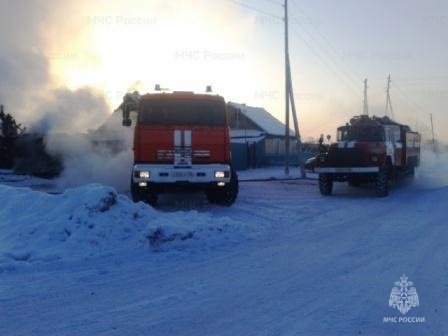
(369, 149)
(181, 142)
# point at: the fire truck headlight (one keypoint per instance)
(144, 175)
(220, 174)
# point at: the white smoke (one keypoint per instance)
(433, 170)
(69, 111)
(86, 161)
(68, 118)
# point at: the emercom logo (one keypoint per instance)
(403, 297)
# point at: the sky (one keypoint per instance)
(55, 53)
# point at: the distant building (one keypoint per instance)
(258, 138)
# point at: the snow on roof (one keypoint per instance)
(261, 117)
(246, 135)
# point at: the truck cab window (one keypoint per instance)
(182, 112)
(357, 133)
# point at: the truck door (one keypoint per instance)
(398, 146)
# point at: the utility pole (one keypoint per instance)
(296, 123)
(366, 104)
(388, 101)
(433, 136)
(289, 98)
(287, 93)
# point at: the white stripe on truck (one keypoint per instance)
(187, 138)
(177, 138)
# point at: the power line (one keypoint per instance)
(330, 63)
(402, 96)
(421, 84)
(417, 106)
(424, 79)
(274, 2)
(322, 58)
(351, 74)
(255, 9)
(327, 64)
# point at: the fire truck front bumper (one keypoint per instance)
(346, 170)
(146, 174)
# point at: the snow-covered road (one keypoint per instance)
(303, 265)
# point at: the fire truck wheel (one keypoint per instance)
(139, 195)
(382, 183)
(224, 196)
(135, 193)
(325, 184)
(151, 198)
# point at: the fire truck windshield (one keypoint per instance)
(182, 112)
(361, 133)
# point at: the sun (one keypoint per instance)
(182, 49)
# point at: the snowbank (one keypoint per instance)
(95, 220)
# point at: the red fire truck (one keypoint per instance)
(369, 149)
(181, 142)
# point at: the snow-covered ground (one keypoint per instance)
(282, 261)
(272, 173)
(7, 177)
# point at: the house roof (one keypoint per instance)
(266, 121)
(246, 133)
(243, 135)
(240, 136)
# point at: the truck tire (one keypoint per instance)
(325, 184)
(224, 196)
(152, 198)
(136, 194)
(146, 196)
(409, 175)
(382, 183)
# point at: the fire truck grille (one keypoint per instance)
(168, 155)
(165, 155)
(344, 158)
